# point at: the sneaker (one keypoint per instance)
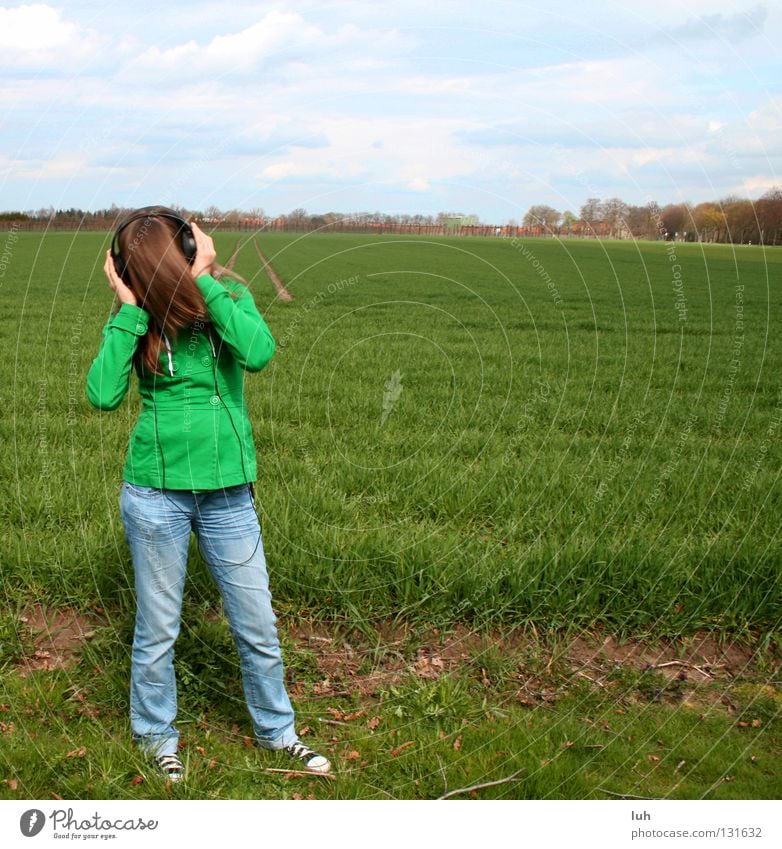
(171, 767)
(312, 760)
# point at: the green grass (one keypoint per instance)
(64, 733)
(569, 441)
(573, 462)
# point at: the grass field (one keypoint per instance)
(553, 437)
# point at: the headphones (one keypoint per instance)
(186, 236)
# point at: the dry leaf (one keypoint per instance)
(304, 731)
(399, 749)
(247, 742)
(77, 753)
(756, 723)
(337, 714)
(354, 756)
(373, 723)
(137, 779)
(653, 758)
(567, 744)
(356, 715)
(201, 750)
(457, 744)
(13, 783)
(742, 724)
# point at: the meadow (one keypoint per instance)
(506, 436)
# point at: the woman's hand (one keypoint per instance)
(117, 284)
(205, 253)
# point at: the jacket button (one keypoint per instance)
(205, 361)
(214, 400)
(140, 328)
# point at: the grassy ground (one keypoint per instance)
(410, 715)
(453, 432)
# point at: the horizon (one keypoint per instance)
(408, 110)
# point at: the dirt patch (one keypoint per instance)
(357, 665)
(56, 635)
(336, 662)
(700, 653)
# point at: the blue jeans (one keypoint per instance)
(157, 527)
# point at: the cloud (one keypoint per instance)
(36, 35)
(279, 39)
(732, 28)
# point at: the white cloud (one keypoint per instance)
(418, 184)
(279, 38)
(35, 35)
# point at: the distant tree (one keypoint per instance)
(543, 217)
(709, 222)
(569, 221)
(592, 215)
(769, 212)
(613, 213)
(641, 221)
(740, 220)
(674, 218)
(232, 218)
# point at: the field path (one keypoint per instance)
(282, 292)
(232, 259)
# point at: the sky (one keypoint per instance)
(401, 107)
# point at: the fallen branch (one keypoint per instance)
(302, 772)
(681, 663)
(627, 795)
(584, 675)
(442, 772)
(481, 786)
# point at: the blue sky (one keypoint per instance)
(403, 107)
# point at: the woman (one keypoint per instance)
(190, 467)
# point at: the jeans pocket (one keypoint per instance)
(141, 491)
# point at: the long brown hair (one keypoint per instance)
(159, 276)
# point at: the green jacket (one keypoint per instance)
(194, 430)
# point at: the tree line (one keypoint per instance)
(733, 220)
